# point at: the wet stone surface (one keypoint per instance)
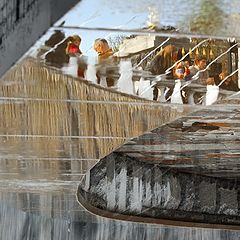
(171, 194)
(187, 170)
(49, 141)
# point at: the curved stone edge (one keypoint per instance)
(145, 220)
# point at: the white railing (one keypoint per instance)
(133, 80)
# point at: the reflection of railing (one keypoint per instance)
(130, 80)
(196, 76)
(125, 78)
(159, 77)
(189, 91)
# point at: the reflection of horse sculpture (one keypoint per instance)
(56, 57)
(54, 39)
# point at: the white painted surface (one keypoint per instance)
(125, 83)
(122, 178)
(145, 90)
(71, 68)
(91, 73)
(135, 45)
(212, 94)
(176, 95)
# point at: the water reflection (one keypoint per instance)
(54, 128)
(215, 18)
(186, 70)
(56, 216)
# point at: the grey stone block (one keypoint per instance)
(171, 193)
(207, 197)
(228, 201)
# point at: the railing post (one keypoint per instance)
(143, 85)
(190, 97)
(211, 94)
(91, 72)
(176, 95)
(125, 81)
(136, 87)
(238, 67)
(161, 95)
